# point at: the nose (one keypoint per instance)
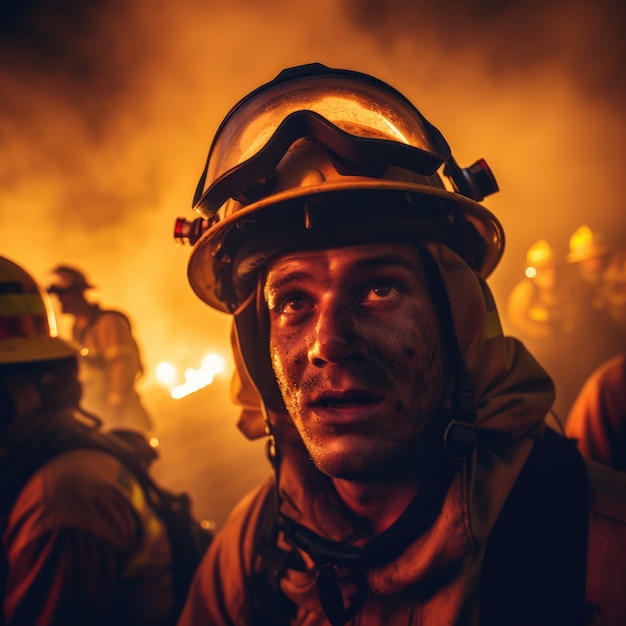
(337, 338)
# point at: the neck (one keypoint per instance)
(85, 314)
(379, 504)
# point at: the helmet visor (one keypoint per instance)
(352, 114)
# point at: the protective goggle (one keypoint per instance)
(365, 124)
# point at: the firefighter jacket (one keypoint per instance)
(443, 573)
(597, 419)
(110, 366)
(80, 544)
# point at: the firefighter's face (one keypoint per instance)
(357, 352)
(70, 301)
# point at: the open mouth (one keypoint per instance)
(347, 401)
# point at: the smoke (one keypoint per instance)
(108, 109)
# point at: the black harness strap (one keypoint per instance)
(535, 561)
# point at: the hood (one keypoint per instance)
(503, 373)
(512, 396)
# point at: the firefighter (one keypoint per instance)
(81, 543)
(540, 314)
(599, 337)
(612, 290)
(110, 362)
(597, 418)
(589, 253)
(535, 307)
(415, 481)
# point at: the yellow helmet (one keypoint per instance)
(27, 324)
(540, 254)
(336, 148)
(586, 244)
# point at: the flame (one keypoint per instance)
(166, 372)
(195, 379)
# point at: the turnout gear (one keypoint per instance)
(109, 357)
(322, 159)
(82, 539)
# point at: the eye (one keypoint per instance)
(380, 292)
(292, 304)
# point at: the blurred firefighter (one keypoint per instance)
(589, 253)
(599, 336)
(612, 289)
(535, 307)
(110, 361)
(597, 419)
(415, 481)
(540, 315)
(80, 542)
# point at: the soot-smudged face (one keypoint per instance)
(357, 352)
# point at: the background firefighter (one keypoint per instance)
(81, 542)
(110, 362)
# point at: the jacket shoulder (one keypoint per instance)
(607, 493)
(84, 490)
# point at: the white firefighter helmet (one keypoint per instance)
(336, 149)
(27, 324)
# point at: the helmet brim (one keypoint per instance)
(34, 349)
(588, 253)
(201, 269)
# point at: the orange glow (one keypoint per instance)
(105, 132)
(165, 372)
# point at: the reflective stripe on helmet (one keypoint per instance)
(27, 324)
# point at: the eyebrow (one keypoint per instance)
(281, 281)
(386, 259)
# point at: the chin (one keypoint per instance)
(348, 465)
